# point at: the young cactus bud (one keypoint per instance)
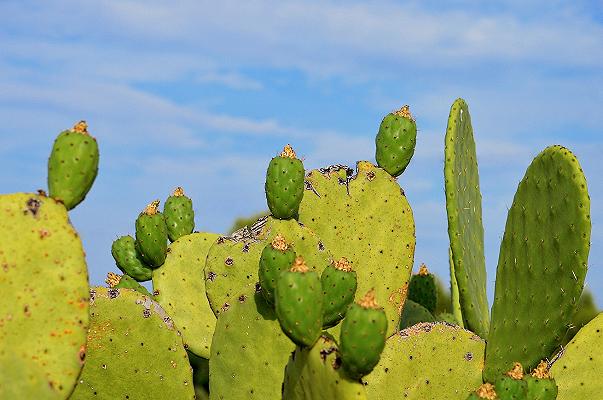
(128, 260)
(151, 235)
(285, 184)
(396, 141)
(540, 384)
(179, 215)
(276, 257)
(339, 288)
(422, 289)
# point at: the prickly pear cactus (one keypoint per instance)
(44, 307)
(126, 282)
(578, 370)
(231, 270)
(464, 209)
(128, 260)
(180, 289)
(179, 215)
(422, 289)
(313, 373)
(511, 386)
(395, 141)
(339, 284)
(249, 352)
(276, 257)
(541, 386)
(73, 165)
(546, 240)
(428, 361)
(366, 218)
(151, 235)
(414, 313)
(285, 184)
(454, 293)
(134, 351)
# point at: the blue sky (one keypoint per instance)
(203, 94)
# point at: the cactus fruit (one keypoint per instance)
(285, 184)
(180, 289)
(464, 209)
(414, 313)
(485, 391)
(362, 338)
(313, 373)
(422, 289)
(179, 215)
(546, 239)
(72, 165)
(540, 384)
(128, 260)
(134, 351)
(299, 303)
(127, 282)
(339, 288)
(511, 385)
(276, 257)
(395, 141)
(44, 306)
(151, 235)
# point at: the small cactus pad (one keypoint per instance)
(486, 391)
(44, 306)
(428, 361)
(511, 386)
(72, 165)
(231, 270)
(180, 289)
(179, 215)
(395, 141)
(464, 209)
(542, 263)
(338, 288)
(414, 313)
(276, 257)
(540, 384)
(315, 374)
(367, 219)
(128, 260)
(249, 352)
(133, 350)
(285, 184)
(126, 282)
(422, 289)
(578, 371)
(151, 235)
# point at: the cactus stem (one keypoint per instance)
(368, 301)
(299, 265)
(178, 192)
(288, 152)
(516, 372)
(152, 208)
(423, 270)
(81, 127)
(486, 391)
(112, 279)
(343, 264)
(279, 243)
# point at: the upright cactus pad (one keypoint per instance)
(44, 306)
(339, 288)
(125, 282)
(541, 386)
(413, 314)
(128, 260)
(454, 293)
(73, 165)
(276, 257)
(422, 289)
(395, 141)
(179, 215)
(367, 219)
(285, 184)
(151, 235)
(464, 209)
(134, 351)
(543, 261)
(428, 361)
(313, 373)
(511, 386)
(180, 289)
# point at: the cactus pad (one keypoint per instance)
(179, 215)
(285, 184)
(422, 289)
(151, 235)
(339, 284)
(276, 257)
(128, 260)
(395, 141)
(413, 314)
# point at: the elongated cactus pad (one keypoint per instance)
(454, 293)
(413, 314)
(151, 235)
(367, 219)
(179, 215)
(249, 352)
(464, 209)
(428, 361)
(314, 374)
(44, 306)
(542, 263)
(395, 141)
(578, 371)
(128, 260)
(231, 270)
(180, 289)
(133, 352)
(285, 184)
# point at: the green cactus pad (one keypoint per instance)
(128, 260)
(414, 313)
(276, 257)
(231, 270)
(428, 361)
(578, 371)
(44, 307)
(422, 289)
(133, 350)
(179, 215)
(541, 389)
(72, 165)
(125, 282)
(180, 289)
(508, 388)
(339, 284)
(367, 219)
(151, 235)
(447, 317)
(249, 352)
(542, 263)
(285, 184)
(454, 293)
(314, 374)
(464, 209)
(395, 141)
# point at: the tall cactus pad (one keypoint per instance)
(73, 165)
(231, 270)
(464, 209)
(543, 260)
(179, 215)
(339, 284)
(314, 374)
(128, 260)
(395, 141)
(180, 289)
(151, 235)
(422, 289)
(249, 352)
(44, 306)
(276, 257)
(367, 219)
(133, 352)
(285, 184)
(428, 361)
(578, 371)
(454, 293)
